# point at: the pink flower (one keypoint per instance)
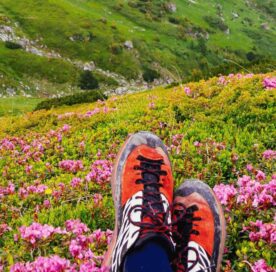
(71, 165)
(47, 203)
(91, 113)
(100, 171)
(66, 115)
(15, 237)
(6, 144)
(151, 105)
(79, 248)
(261, 266)
(82, 145)
(197, 144)
(269, 154)
(252, 191)
(42, 264)
(28, 169)
(76, 182)
(249, 167)
(36, 232)
(260, 175)
(225, 193)
(187, 91)
(222, 80)
(76, 227)
(4, 228)
(66, 128)
(269, 83)
(97, 198)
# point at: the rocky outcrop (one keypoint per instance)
(128, 45)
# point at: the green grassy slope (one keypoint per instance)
(177, 44)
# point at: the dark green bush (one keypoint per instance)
(149, 75)
(85, 97)
(116, 48)
(12, 45)
(216, 22)
(88, 81)
(174, 20)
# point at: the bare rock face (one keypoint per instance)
(89, 66)
(128, 45)
(171, 7)
(235, 15)
(265, 26)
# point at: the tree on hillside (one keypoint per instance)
(149, 75)
(88, 81)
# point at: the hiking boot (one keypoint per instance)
(142, 189)
(199, 228)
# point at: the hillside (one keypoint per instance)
(45, 45)
(56, 167)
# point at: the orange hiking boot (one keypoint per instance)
(199, 228)
(142, 189)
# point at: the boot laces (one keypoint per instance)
(183, 223)
(154, 217)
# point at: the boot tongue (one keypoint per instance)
(154, 193)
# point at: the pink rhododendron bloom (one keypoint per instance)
(187, 91)
(76, 182)
(261, 266)
(97, 235)
(47, 203)
(91, 267)
(45, 264)
(15, 237)
(260, 175)
(66, 115)
(197, 144)
(97, 198)
(66, 128)
(269, 154)
(269, 83)
(76, 226)
(4, 228)
(79, 248)
(225, 193)
(100, 171)
(249, 167)
(71, 165)
(9, 190)
(264, 231)
(28, 169)
(82, 145)
(93, 112)
(6, 144)
(151, 105)
(36, 232)
(222, 80)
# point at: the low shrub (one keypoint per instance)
(84, 97)
(12, 45)
(88, 81)
(216, 22)
(150, 75)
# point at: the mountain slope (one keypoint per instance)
(177, 39)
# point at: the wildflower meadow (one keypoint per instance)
(56, 208)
